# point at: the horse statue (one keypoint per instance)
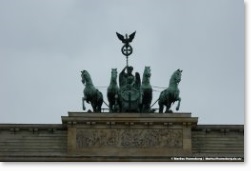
(91, 94)
(146, 90)
(171, 94)
(113, 93)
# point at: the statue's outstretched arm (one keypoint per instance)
(124, 69)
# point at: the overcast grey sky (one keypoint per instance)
(45, 44)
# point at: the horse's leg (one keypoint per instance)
(110, 107)
(93, 106)
(161, 107)
(110, 100)
(99, 102)
(149, 101)
(99, 106)
(168, 106)
(141, 107)
(148, 106)
(83, 103)
(116, 107)
(120, 105)
(178, 106)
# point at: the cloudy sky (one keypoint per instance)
(45, 44)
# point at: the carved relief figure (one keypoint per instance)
(129, 138)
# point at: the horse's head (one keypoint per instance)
(114, 73)
(147, 72)
(176, 77)
(85, 76)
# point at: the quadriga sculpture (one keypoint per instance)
(113, 92)
(146, 90)
(171, 94)
(91, 94)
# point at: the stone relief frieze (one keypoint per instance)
(129, 138)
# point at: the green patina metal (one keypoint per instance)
(171, 94)
(131, 95)
(146, 90)
(91, 94)
(113, 93)
(127, 48)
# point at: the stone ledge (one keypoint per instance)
(129, 119)
(219, 128)
(18, 127)
(129, 115)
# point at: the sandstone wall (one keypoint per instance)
(23, 142)
(218, 140)
(119, 138)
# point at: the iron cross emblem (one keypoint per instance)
(126, 48)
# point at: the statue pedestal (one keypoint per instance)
(129, 136)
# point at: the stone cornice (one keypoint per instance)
(219, 128)
(129, 119)
(31, 127)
